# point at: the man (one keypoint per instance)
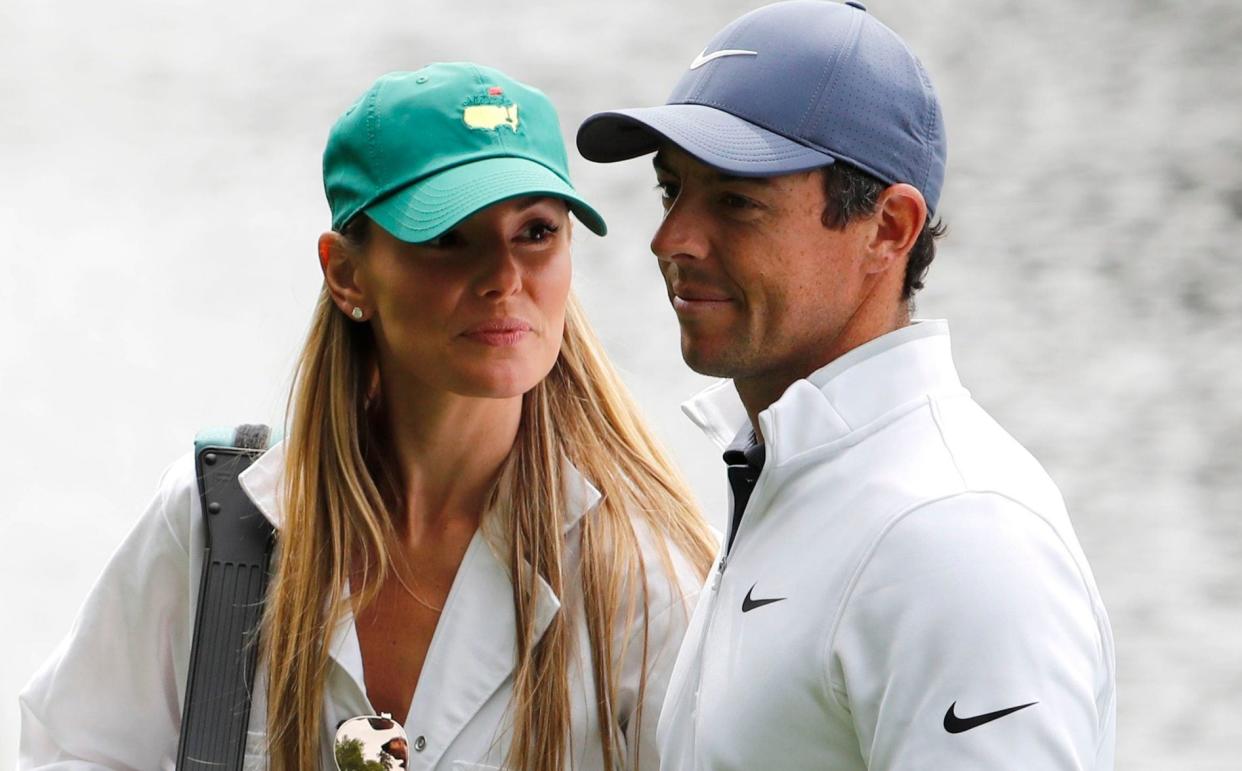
(900, 586)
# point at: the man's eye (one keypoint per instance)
(735, 201)
(668, 191)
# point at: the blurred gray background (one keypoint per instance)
(160, 199)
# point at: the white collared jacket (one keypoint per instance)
(110, 696)
(903, 577)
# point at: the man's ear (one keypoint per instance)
(340, 261)
(899, 215)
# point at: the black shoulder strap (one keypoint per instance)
(230, 604)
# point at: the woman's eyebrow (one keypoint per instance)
(529, 201)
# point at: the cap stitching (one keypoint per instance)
(929, 124)
(481, 81)
(802, 141)
(723, 148)
(399, 185)
(424, 222)
(430, 217)
(373, 123)
(832, 73)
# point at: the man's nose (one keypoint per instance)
(682, 233)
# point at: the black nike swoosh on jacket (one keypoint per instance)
(748, 604)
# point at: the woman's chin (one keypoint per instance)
(498, 382)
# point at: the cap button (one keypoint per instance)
(856, 4)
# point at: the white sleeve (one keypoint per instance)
(672, 600)
(109, 696)
(975, 604)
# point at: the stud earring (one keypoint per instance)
(356, 313)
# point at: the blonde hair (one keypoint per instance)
(337, 494)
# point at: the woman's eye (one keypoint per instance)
(541, 231)
(446, 240)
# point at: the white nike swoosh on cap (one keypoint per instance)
(704, 57)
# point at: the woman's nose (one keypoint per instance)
(500, 273)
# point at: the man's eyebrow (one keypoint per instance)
(663, 168)
(734, 178)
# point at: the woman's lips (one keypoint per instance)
(498, 332)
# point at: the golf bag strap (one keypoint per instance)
(230, 603)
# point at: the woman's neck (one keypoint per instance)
(448, 451)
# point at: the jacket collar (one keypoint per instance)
(471, 653)
(874, 381)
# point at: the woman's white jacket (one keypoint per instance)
(110, 696)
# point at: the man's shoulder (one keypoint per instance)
(988, 458)
(970, 521)
(978, 557)
(941, 468)
(943, 446)
(947, 446)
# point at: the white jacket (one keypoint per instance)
(917, 560)
(110, 696)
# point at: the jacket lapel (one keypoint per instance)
(472, 651)
(262, 482)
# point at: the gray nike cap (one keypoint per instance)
(790, 87)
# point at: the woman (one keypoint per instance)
(477, 534)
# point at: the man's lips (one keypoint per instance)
(498, 332)
(692, 298)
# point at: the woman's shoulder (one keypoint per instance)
(175, 500)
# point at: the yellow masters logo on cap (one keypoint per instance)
(490, 112)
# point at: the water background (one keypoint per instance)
(160, 199)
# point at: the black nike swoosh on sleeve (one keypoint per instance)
(956, 725)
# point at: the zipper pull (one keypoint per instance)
(719, 573)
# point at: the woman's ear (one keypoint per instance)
(341, 262)
(899, 216)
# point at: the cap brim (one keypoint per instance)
(715, 137)
(430, 207)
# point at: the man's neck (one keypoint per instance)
(762, 391)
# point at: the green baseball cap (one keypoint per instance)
(421, 151)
